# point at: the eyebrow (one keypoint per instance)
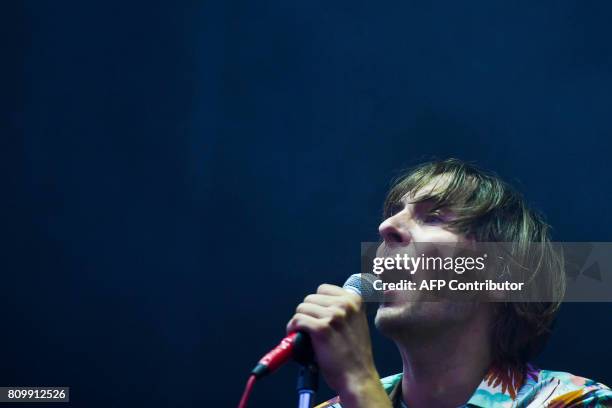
(418, 205)
(424, 202)
(423, 199)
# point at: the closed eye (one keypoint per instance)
(433, 218)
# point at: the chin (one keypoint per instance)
(392, 318)
(419, 317)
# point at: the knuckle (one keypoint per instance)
(309, 298)
(290, 323)
(322, 287)
(351, 306)
(295, 321)
(338, 315)
(322, 329)
(344, 304)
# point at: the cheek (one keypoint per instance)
(438, 235)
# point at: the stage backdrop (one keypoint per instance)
(179, 175)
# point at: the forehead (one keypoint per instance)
(433, 188)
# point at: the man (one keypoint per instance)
(454, 354)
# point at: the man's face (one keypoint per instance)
(415, 229)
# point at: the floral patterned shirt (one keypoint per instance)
(534, 388)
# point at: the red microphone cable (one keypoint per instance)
(247, 391)
(295, 345)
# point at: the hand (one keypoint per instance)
(336, 322)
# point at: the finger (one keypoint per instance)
(323, 300)
(352, 299)
(332, 290)
(313, 310)
(306, 323)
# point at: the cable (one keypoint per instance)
(247, 392)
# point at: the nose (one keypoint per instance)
(393, 234)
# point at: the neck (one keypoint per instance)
(444, 369)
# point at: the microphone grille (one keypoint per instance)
(362, 284)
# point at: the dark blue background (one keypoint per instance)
(180, 174)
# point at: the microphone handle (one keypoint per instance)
(296, 345)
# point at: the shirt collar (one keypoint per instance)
(500, 386)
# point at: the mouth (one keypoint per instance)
(395, 286)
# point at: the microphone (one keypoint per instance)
(297, 345)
